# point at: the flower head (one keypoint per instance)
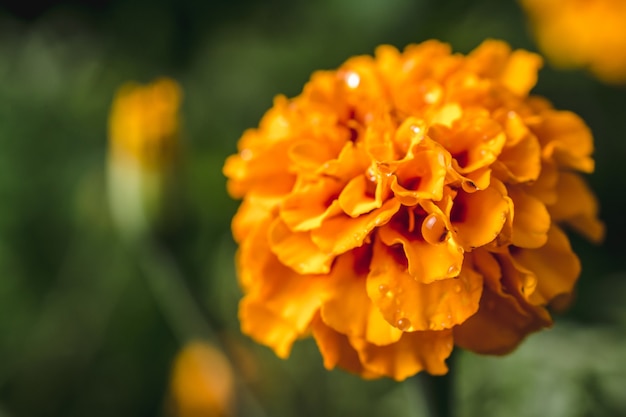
(409, 202)
(143, 146)
(582, 34)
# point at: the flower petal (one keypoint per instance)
(297, 250)
(531, 220)
(411, 305)
(520, 72)
(341, 233)
(498, 326)
(428, 260)
(336, 350)
(577, 206)
(281, 306)
(478, 217)
(414, 352)
(555, 265)
(565, 138)
(310, 203)
(347, 307)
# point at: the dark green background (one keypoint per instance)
(83, 332)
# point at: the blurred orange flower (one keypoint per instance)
(202, 382)
(582, 33)
(144, 129)
(408, 202)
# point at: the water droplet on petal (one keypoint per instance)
(434, 229)
(353, 79)
(453, 270)
(383, 289)
(371, 174)
(403, 324)
(416, 129)
(457, 289)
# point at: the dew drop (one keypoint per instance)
(403, 324)
(371, 174)
(416, 129)
(433, 228)
(353, 79)
(453, 270)
(457, 289)
(383, 289)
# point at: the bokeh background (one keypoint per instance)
(91, 327)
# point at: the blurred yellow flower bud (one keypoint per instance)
(144, 129)
(202, 382)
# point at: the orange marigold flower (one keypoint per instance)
(582, 33)
(409, 202)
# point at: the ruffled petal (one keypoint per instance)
(531, 220)
(414, 352)
(347, 307)
(281, 306)
(341, 233)
(411, 305)
(310, 203)
(566, 139)
(477, 218)
(555, 265)
(430, 253)
(337, 351)
(577, 207)
(520, 72)
(498, 327)
(297, 250)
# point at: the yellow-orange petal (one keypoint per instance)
(280, 307)
(519, 74)
(427, 260)
(531, 220)
(341, 233)
(545, 187)
(309, 155)
(337, 351)
(577, 207)
(421, 175)
(358, 197)
(498, 326)
(566, 139)
(310, 203)
(347, 307)
(261, 171)
(520, 163)
(267, 327)
(297, 250)
(411, 305)
(253, 256)
(474, 140)
(414, 352)
(555, 265)
(478, 217)
(252, 211)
